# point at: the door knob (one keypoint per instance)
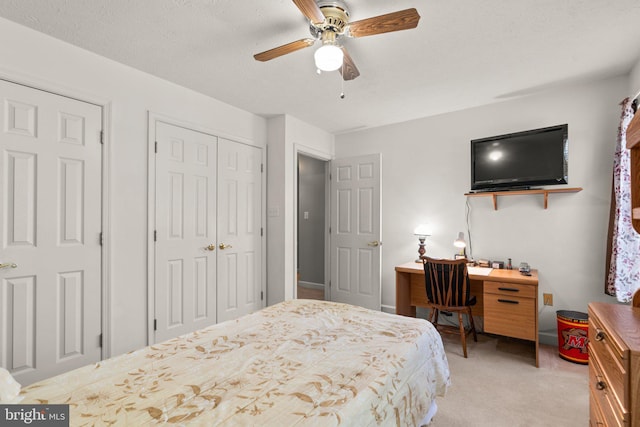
(374, 243)
(211, 247)
(223, 246)
(8, 264)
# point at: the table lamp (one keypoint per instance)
(460, 244)
(422, 232)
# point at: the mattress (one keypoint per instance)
(296, 363)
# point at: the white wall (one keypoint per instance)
(426, 172)
(32, 57)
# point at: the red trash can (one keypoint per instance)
(573, 336)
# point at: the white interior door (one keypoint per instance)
(50, 214)
(185, 263)
(239, 229)
(356, 231)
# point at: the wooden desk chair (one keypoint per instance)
(448, 290)
(635, 302)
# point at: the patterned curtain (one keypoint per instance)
(623, 276)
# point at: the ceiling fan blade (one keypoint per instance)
(283, 50)
(310, 9)
(395, 21)
(348, 70)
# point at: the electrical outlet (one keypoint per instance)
(547, 299)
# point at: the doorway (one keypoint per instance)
(311, 228)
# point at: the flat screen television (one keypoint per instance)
(520, 160)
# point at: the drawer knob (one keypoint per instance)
(601, 385)
(600, 336)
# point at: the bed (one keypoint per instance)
(296, 363)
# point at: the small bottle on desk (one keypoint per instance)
(509, 266)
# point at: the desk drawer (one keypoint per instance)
(510, 289)
(511, 316)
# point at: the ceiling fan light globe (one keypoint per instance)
(328, 57)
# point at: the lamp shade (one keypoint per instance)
(328, 57)
(459, 242)
(422, 230)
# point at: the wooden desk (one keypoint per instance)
(506, 299)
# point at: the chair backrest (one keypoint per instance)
(447, 282)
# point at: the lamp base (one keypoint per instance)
(421, 249)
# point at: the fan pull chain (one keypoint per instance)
(342, 84)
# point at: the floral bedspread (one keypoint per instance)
(297, 363)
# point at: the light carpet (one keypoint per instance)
(499, 385)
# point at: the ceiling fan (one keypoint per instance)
(329, 23)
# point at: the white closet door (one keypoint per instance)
(356, 231)
(239, 229)
(50, 216)
(185, 263)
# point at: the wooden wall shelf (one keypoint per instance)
(494, 194)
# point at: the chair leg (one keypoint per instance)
(463, 335)
(473, 326)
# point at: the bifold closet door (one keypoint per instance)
(239, 229)
(50, 216)
(185, 246)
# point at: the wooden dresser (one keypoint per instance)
(614, 365)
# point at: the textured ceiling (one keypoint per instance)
(464, 53)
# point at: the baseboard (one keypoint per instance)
(311, 285)
(548, 337)
(388, 309)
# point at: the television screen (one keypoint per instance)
(520, 160)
